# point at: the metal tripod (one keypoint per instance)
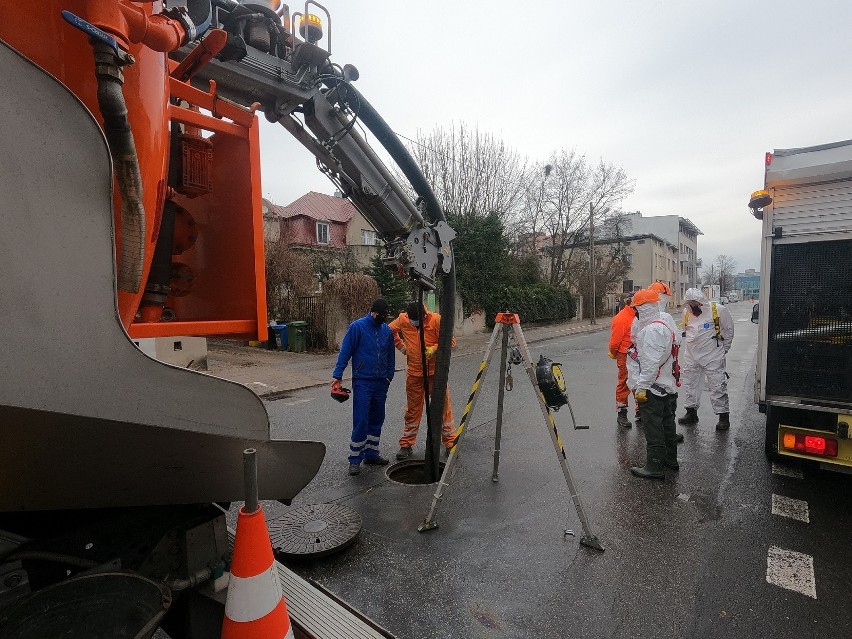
(505, 324)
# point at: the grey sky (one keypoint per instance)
(685, 95)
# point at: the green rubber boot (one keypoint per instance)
(653, 469)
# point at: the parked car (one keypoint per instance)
(723, 300)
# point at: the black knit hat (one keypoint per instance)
(380, 306)
(413, 311)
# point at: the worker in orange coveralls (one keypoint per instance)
(406, 335)
(619, 342)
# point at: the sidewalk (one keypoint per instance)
(272, 374)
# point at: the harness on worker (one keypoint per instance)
(674, 355)
(718, 336)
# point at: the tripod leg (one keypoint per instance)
(429, 523)
(588, 539)
(501, 393)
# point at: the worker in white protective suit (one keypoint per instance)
(651, 362)
(708, 332)
(662, 289)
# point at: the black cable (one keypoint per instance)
(350, 91)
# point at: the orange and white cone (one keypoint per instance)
(255, 607)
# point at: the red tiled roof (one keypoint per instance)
(319, 207)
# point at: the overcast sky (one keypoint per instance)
(686, 96)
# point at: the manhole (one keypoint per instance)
(411, 472)
(314, 530)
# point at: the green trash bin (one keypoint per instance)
(297, 336)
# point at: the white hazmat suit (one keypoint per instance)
(702, 352)
(664, 315)
(653, 342)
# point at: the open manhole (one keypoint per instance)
(411, 472)
(314, 530)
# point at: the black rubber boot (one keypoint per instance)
(679, 438)
(376, 461)
(404, 453)
(672, 465)
(691, 417)
(622, 419)
(724, 422)
(653, 469)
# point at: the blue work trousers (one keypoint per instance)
(368, 416)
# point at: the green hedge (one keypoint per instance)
(533, 303)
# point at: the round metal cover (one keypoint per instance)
(314, 530)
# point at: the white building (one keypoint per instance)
(678, 231)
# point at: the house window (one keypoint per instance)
(369, 238)
(322, 233)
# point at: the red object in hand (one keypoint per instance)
(338, 392)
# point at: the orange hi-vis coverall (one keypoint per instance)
(619, 342)
(406, 338)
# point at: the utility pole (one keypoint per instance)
(592, 258)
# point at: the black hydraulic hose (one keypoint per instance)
(396, 149)
(424, 362)
(125, 165)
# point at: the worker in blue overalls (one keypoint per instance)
(369, 344)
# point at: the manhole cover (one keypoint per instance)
(314, 530)
(411, 472)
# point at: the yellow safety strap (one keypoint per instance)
(716, 322)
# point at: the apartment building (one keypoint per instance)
(679, 232)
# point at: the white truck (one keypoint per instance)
(804, 358)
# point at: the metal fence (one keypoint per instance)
(320, 332)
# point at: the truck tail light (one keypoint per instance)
(812, 445)
(768, 158)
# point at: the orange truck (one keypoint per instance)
(130, 208)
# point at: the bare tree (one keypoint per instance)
(563, 199)
(727, 269)
(721, 272)
(473, 173)
(289, 275)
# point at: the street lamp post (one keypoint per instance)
(592, 259)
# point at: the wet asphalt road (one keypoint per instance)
(686, 557)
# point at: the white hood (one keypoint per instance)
(695, 295)
(647, 313)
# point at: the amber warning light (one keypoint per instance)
(310, 27)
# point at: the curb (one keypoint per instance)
(281, 394)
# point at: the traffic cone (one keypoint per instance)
(255, 607)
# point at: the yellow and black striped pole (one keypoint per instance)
(588, 539)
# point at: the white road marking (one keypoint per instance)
(260, 384)
(299, 401)
(789, 507)
(791, 570)
(786, 471)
